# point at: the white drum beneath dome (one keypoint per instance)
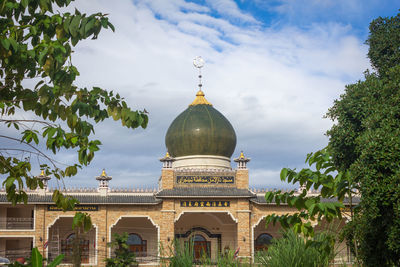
(202, 162)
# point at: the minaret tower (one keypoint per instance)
(167, 161)
(45, 180)
(242, 161)
(103, 183)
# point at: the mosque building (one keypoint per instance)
(200, 199)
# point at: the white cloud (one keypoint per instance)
(230, 9)
(273, 85)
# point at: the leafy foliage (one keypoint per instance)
(182, 255)
(364, 147)
(37, 260)
(293, 250)
(384, 42)
(36, 45)
(369, 112)
(333, 186)
(123, 256)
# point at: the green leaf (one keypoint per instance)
(74, 25)
(74, 140)
(56, 261)
(111, 26)
(24, 3)
(42, 55)
(13, 44)
(284, 173)
(10, 182)
(71, 171)
(5, 43)
(89, 26)
(36, 258)
(77, 220)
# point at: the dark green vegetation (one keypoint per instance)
(37, 82)
(183, 256)
(293, 250)
(366, 141)
(200, 130)
(36, 45)
(364, 149)
(333, 187)
(123, 256)
(36, 260)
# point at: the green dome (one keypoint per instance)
(200, 130)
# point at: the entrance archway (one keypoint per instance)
(60, 241)
(143, 237)
(211, 233)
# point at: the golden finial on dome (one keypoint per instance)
(103, 173)
(167, 155)
(200, 99)
(241, 155)
(42, 173)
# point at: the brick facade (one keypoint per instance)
(230, 226)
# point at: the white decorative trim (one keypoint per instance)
(48, 236)
(136, 216)
(16, 230)
(208, 211)
(34, 217)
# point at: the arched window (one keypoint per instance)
(137, 245)
(70, 238)
(134, 239)
(199, 238)
(262, 242)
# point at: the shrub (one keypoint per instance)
(295, 251)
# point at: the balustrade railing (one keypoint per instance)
(12, 223)
(15, 254)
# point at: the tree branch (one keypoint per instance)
(33, 121)
(37, 150)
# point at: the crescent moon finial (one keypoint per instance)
(198, 62)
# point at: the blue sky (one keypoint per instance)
(304, 13)
(273, 68)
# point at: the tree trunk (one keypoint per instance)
(76, 248)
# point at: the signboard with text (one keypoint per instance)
(205, 203)
(204, 179)
(77, 208)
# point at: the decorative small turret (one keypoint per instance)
(167, 161)
(103, 182)
(45, 180)
(242, 161)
